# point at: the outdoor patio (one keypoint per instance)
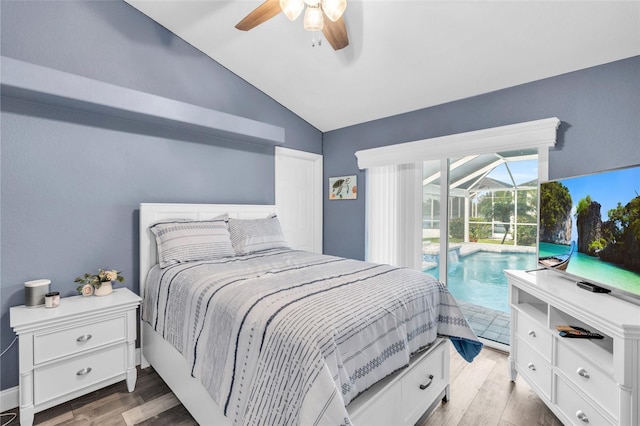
(487, 323)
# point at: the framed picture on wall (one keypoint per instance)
(343, 187)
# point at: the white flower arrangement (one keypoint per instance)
(96, 280)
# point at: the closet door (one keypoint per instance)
(299, 197)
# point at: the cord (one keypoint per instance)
(13, 415)
(9, 347)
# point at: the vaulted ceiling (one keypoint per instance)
(404, 55)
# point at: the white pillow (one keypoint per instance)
(190, 241)
(251, 235)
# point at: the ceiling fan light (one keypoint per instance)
(334, 8)
(313, 19)
(292, 8)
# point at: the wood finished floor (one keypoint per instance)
(481, 394)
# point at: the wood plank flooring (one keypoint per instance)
(481, 394)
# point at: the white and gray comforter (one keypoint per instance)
(291, 337)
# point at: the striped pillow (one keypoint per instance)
(190, 241)
(251, 235)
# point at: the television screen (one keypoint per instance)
(590, 228)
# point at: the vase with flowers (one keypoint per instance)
(99, 284)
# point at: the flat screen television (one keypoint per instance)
(589, 229)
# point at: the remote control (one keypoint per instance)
(592, 287)
(574, 331)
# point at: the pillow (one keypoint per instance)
(251, 235)
(190, 241)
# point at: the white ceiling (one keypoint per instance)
(404, 55)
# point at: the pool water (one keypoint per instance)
(479, 277)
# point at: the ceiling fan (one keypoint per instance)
(320, 15)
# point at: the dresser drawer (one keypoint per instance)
(60, 343)
(56, 379)
(576, 408)
(534, 333)
(533, 367)
(587, 377)
(423, 383)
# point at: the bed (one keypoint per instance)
(271, 335)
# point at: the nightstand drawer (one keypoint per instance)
(76, 373)
(587, 377)
(535, 334)
(60, 343)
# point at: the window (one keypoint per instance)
(394, 197)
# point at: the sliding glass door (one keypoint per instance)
(490, 221)
(431, 223)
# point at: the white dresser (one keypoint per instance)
(84, 344)
(583, 381)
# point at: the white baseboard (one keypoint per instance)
(10, 398)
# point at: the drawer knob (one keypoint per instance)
(582, 416)
(531, 366)
(582, 372)
(426, 385)
(532, 333)
(84, 371)
(83, 338)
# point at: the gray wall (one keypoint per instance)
(72, 181)
(599, 108)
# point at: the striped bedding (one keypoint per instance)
(291, 337)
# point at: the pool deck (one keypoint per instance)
(487, 323)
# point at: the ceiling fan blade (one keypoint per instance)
(260, 14)
(335, 33)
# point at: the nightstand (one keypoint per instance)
(84, 344)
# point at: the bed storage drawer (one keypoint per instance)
(398, 400)
(423, 383)
(379, 411)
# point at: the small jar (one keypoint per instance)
(52, 300)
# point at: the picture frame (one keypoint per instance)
(343, 187)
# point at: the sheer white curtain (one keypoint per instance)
(394, 214)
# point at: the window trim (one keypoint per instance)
(530, 134)
(539, 134)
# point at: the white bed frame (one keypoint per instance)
(400, 399)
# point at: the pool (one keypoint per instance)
(479, 278)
